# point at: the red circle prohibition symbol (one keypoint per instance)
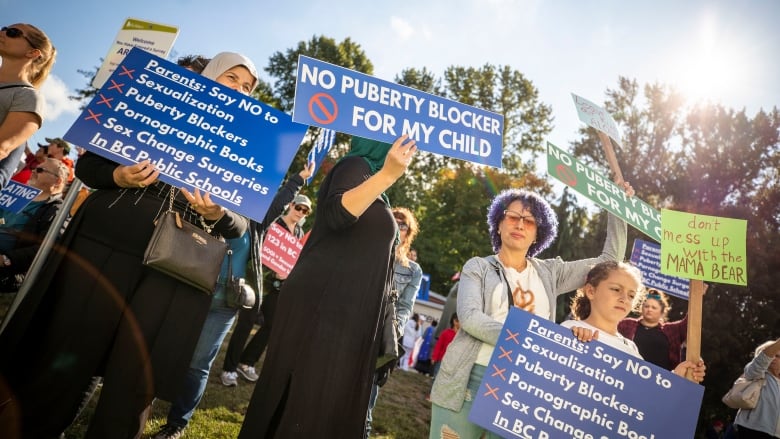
(565, 174)
(329, 109)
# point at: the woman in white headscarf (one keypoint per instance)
(96, 310)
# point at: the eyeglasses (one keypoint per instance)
(514, 218)
(40, 169)
(403, 227)
(15, 32)
(302, 209)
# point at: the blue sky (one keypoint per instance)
(723, 50)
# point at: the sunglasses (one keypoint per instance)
(302, 209)
(41, 169)
(514, 218)
(15, 32)
(403, 227)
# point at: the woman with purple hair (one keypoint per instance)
(521, 225)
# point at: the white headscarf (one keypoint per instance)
(224, 61)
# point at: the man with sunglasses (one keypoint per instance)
(21, 232)
(55, 148)
(241, 359)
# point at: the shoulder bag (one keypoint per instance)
(237, 293)
(744, 393)
(185, 252)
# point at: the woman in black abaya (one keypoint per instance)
(318, 370)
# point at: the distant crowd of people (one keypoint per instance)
(332, 330)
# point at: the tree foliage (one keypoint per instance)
(716, 161)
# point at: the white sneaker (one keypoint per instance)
(229, 379)
(248, 372)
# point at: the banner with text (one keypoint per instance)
(646, 256)
(152, 37)
(320, 150)
(196, 132)
(15, 196)
(351, 102)
(543, 383)
(602, 191)
(280, 250)
(596, 117)
(707, 248)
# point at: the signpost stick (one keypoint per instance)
(693, 350)
(610, 153)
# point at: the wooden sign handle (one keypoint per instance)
(610, 153)
(695, 299)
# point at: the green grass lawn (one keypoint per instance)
(401, 412)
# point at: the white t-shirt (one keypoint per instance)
(616, 341)
(528, 279)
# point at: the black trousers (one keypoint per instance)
(239, 351)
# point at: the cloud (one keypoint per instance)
(401, 27)
(55, 94)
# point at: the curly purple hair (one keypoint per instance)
(546, 220)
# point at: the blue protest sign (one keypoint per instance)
(320, 149)
(199, 134)
(15, 196)
(344, 100)
(646, 256)
(543, 383)
(425, 287)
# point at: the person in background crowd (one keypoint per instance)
(612, 289)
(27, 58)
(763, 422)
(411, 333)
(96, 305)
(423, 364)
(444, 340)
(449, 305)
(242, 357)
(659, 342)
(21, 233)
(322, 355)
(521, 225)
(245, 262)
(407, 276)
(55, 148)
(440, 348)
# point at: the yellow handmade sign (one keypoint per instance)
(707, 248)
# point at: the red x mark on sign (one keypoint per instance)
(104, 100)
(491, 391)
(94, 116)
(505, 354)
(126, 72)
(512, 336)
(499, 372)
(116, 86)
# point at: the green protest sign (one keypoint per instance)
(602, 191)
(708, 248)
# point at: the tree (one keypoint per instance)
(717, 161)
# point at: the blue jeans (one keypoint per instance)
(216, 327)
(457, 423)
(371, 404)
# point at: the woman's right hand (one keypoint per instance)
(399, 157)
(141, 174)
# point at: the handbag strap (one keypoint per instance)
(508, 287)
(230, 265)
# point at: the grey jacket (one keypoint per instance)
(766, 416)
(483, 274)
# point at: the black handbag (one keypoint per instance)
(185, 252)
(390, 348)
(237, 293)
